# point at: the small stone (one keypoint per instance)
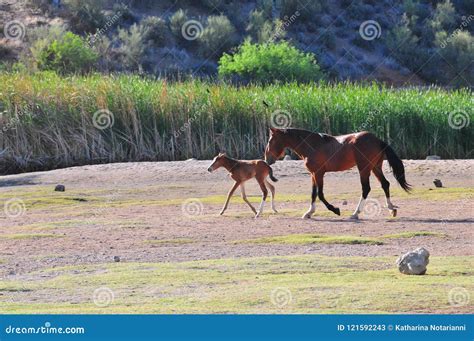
(344, 202)
(60, 188)
(433, 157)
(287, 158)
(414, 262)
(192, 159)
(116, 259)
(438, 183)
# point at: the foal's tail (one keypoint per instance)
(270, 174)
(397, 166)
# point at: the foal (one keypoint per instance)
(242, 171)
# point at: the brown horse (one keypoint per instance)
(324, 153)
(242, 171)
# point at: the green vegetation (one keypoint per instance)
(316, 284)
(69, 54)
(28, 236)
(270, 62)
(50, 121)
(325, 239)
(312, 239)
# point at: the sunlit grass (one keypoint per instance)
(317, 284)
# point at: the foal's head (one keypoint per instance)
(275, 146)
(217, 162)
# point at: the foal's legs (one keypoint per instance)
(386, 188)
(261, 182)
(320, 183)
(272, 190)
(242, 189)
(314, 194)
(232, 190)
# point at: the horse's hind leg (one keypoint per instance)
(261, 182)
(320, 183)
(244, 197)
(386, 188)
(232, 190)
(272, 190)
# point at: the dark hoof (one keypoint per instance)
(337, 211)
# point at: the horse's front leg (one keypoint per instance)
(320, 183)
(232, 190)
(314, 193)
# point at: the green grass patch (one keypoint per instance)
(412, 234)
(28, 236)
(167, 242)
(311, 239)
(317, 284)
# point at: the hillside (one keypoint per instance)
(400, 43)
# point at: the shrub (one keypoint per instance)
(132, 45)
(217, 37)
(402, 43)
(68, 54)
(270, 62)
(155, 30)
(177, 21)
(86, 15)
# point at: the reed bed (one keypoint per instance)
(50, 121)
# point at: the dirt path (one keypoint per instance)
(142, 212)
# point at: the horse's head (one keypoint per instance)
(275, 146)
(217, 162)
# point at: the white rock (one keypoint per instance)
(414, 262)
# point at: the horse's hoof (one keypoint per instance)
(275, 211)
(306, 216)
(221, 213)
(354, 217)
(337, 211)
(394, 213)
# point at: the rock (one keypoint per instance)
(438, 183)
(414, 262)
(192, 159)
(60, 188)
(433, 157)
(287, 158)
(344, 202)
(116, 259)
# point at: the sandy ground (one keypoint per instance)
(142, 212)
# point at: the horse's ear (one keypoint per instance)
(273, 131)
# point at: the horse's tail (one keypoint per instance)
(397, 166)
(270, 174)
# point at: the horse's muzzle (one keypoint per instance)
(269, 160)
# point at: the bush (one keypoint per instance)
(217, 37)
(402, 43)
(270, 62)
(177, 21)
(86, 15)
(132, 45)
(155, 30)
(68, 54)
